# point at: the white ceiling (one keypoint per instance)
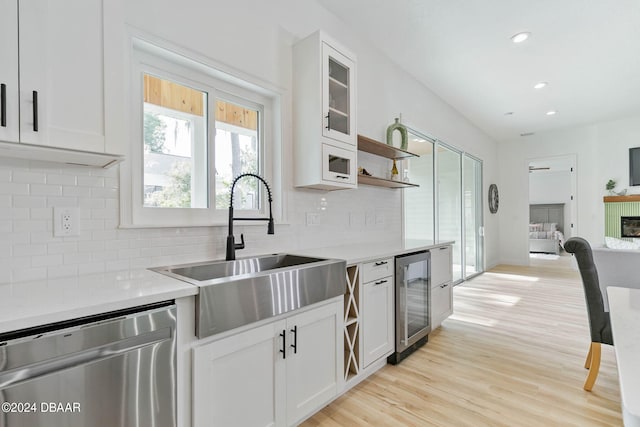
(588, 51)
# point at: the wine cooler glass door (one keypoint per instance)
(413, 294)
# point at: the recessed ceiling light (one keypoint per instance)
(520, 37)
(551, 112)
(540, 85)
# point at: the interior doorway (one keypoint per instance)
(552, 206)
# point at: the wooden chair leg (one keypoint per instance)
(594, 366)
(587, 362)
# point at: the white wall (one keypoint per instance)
(253, 39)
(601, 151)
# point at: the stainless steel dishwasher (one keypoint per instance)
(114, 369)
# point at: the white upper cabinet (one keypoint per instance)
(53, 71)
(324, 114)
(9, 123)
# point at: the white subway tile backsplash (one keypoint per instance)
(13, 188)
(35, 225)
(29, 202)
(29, 177)
(26, 274)
(29, 251)
(91, 181)
(73, 191)
(46, 260)
(62, 271)
(61, 179)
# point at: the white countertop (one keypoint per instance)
(357, 253)
(28, 304)
(624, 306)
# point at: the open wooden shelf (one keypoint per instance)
(384, 150)
(382, 182)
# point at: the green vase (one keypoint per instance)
(403, 134)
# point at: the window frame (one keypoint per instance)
(147, 58)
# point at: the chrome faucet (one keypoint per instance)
(231, 243)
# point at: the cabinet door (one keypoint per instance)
(338, 165)
(441, 303)
(377, 319)
(338, 96)
(239, 381)
(314, 360)
(61, 73)
(441, 266)
(9, 123)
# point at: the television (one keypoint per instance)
(634, 166)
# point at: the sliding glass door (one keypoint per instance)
(449, 223)
(447, 205)
(472, 199)
(419, 218)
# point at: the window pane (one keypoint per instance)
(237, 149)
(175, 145)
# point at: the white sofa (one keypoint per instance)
(617, 267)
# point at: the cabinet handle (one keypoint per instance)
(284, 344)
(380, 282)
(378, 264)
(443, 248)
(295, 340)
(35, 111)
(444, 286)
(342, 177)
(328, 117)
(3, 105)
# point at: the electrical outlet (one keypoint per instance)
(65, 222)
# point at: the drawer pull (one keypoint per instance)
(295, 339)
(3, 105)
(284, 344)
(379, 282)
(35, 110)
(378, 264)
(444, 286)
(342, 177)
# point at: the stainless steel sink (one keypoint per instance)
(239, 292)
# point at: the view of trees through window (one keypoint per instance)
(176, 169)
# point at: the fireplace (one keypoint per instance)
(630, 226)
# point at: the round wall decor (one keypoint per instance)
(493, 198)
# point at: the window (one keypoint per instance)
(194, 129)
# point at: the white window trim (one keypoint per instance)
(151, 58)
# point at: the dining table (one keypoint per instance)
(624, 310)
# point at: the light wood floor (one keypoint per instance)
(511, 355)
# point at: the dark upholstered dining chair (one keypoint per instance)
(599, 321)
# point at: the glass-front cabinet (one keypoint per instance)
(324, 114)
(338, 95)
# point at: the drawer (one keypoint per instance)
(441, 266)
(377, 270)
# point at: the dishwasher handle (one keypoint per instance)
(95, 354)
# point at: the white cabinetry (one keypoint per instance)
(441, 285)
(272, 375)
(377, 311)
(52, 73)
(324, 121)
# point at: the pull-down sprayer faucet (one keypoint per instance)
(231, 244)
